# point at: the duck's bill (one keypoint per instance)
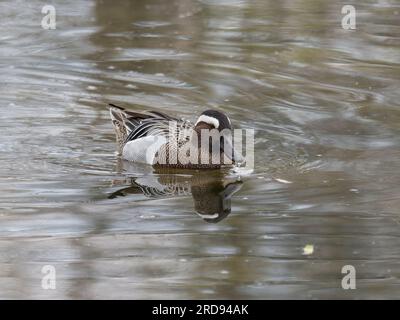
(233, 156)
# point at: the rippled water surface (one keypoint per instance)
(325, 192)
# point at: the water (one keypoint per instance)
(325, 192)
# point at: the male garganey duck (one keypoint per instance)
(160, 140)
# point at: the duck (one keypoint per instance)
(160, 140)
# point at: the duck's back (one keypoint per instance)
(141, 136)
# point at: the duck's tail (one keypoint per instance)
(131, 125)
(119, 118)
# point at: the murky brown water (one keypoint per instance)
(325, 104)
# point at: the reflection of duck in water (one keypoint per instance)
(211, 191)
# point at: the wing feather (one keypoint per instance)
(131, 125)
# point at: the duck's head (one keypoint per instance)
(217, 122)
(213, 119)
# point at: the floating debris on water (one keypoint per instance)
(308, 250)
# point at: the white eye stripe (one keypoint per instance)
(208, 216)
(210, 120)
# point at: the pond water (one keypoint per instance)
(325, 191)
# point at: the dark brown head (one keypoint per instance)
(213, 119)
(217, 123)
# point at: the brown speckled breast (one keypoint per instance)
(162, 158)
